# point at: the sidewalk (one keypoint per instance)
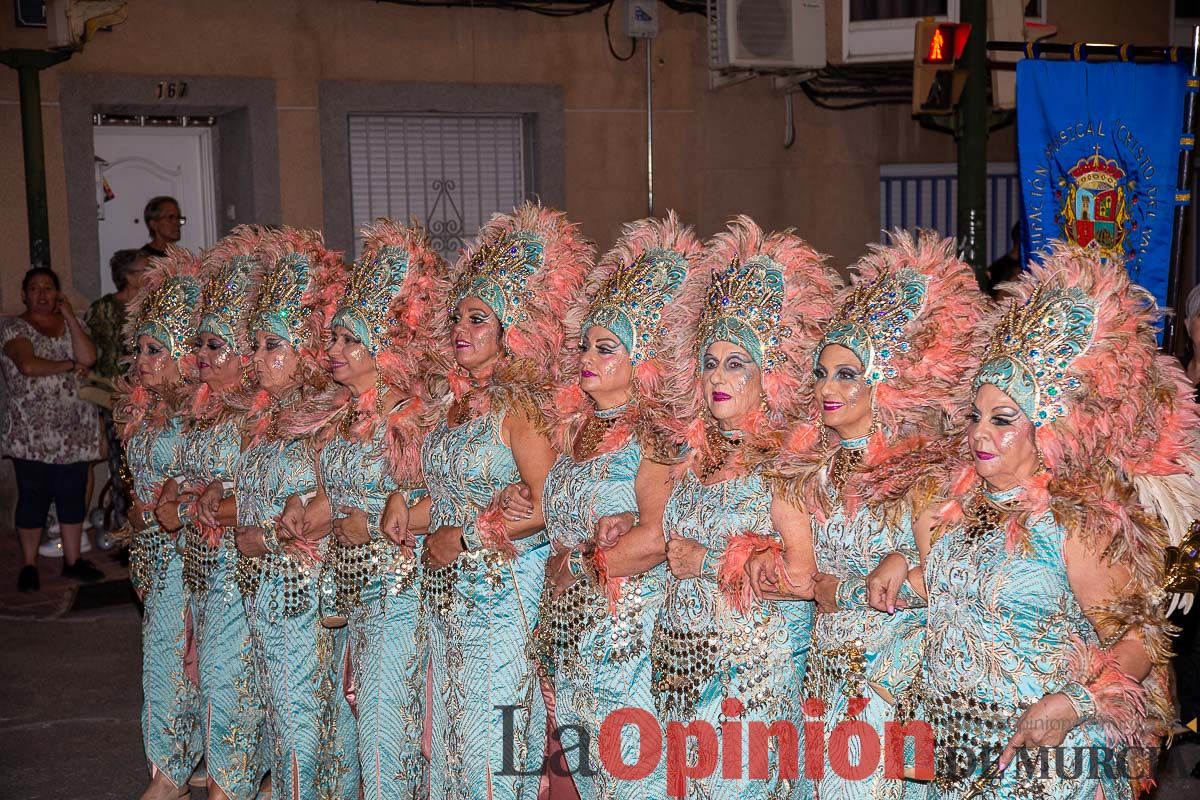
(58, 595)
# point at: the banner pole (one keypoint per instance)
(1171, 340)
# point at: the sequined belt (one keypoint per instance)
(297, 584)
(200, 560)
(563, 620)
(352, 568)
(477, 566)
(964, 724)
(149, 555)
(841, 669)
(683, 662)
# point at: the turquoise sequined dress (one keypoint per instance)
(857, 652)
(705, 650)
(171, 722)
(1000, 627)
(376, 587)
(482, 609)
(599, 658)
(309, 720)
(235, 746)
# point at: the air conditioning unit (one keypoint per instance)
(766, 35)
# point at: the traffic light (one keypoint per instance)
(937, 83)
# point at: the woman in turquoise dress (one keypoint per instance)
(159, 328)
(483, 575)
(1047, 650)
(310, 721)
(234, 740)
(381, 339)
(890, 362)
(616, 421)
(723, 659)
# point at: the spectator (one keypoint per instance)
(106, 317)
(105, 322)
(1008, 266)
(165, 224)
(51, 433)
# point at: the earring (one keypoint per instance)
(380, 389)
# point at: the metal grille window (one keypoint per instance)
(926, 196)
(450, 172)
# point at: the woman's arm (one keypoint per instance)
(81, 344)
(642, 547)
(20, 350)
(534, 456)
(1097, 584)
(799, 559)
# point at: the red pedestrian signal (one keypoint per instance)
(937, 82)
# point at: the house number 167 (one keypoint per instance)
(171, 89)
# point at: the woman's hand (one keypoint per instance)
(516, 502)
(885, 582)
(291, 521)
(395, 524)
(610, 529)
(558, 571)
(825, 592)
(209, 503)
(136, 517)
(351, 528)
(1044, 724)
(442, 547)
(685, 557)
(249, 540)
(167, 509)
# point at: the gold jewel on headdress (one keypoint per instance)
(372, 285)
(743, 306)
(1033, 347)
(873, 321)
(223, 300)
(630, 302)
(166, 314)
(277, 308)
(498, 273)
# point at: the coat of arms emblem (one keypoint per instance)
(1094, 212)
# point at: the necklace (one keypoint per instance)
(845, 463)
(719, 445)
(595, 428)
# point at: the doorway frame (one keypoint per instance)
(245, 155)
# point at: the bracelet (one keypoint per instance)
(709, 565)
(1080, 699)
(271, 539)
(470, 539)
(184, 512)
(575, 564)
(851, 593)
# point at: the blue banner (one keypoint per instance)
(1098, 146)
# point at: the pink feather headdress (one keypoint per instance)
(166, 308)
(295, 288)
(391, 296)
(912, 316)
(529, 266)
(646, 287)
(771, 294)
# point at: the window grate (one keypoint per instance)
(449, 172)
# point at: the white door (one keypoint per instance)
(140, 163)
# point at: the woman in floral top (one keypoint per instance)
(51, 433)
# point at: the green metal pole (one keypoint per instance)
(972, 143)
(35, 167)
(28, 64)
